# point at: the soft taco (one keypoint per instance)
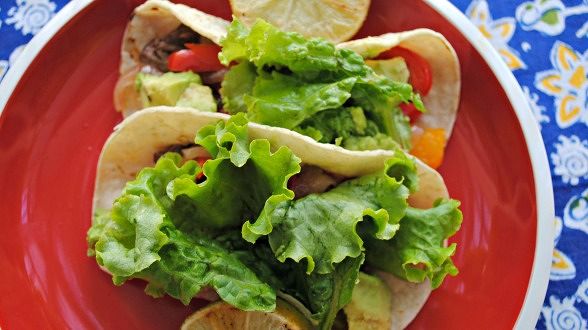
(160, 39)
(170, 56)
(195, 201)
(329, 93)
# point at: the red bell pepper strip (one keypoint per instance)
(411, 111)
(421, 77)
(197, 58)
(201, 161)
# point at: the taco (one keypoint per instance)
(195, 201)
(170, 57)
(329, 93)
(163, 44)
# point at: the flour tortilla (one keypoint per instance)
(151, 20)
(134, 142)
(443, 100)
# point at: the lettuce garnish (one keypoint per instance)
(242, 232)
(321, 228)
(417, 251)
(285, 80)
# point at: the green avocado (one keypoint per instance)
(377, 141)
(175, 89)
(359, 119)
(199, 97)
(394, 68)
(370, 306)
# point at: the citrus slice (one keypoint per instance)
(334, 20)
(221, 315)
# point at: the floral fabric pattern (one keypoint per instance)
(544, 43)
(566, 83)
(499, 32)
(20, 20)
(29, 16)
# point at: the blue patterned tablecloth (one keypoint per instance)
(544, 42)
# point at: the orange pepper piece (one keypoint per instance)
(430, 146)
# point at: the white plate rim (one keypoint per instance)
(34, 47)
(539, 277)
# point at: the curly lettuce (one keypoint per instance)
(417, 251)
(323, 294)
(321, 228)
(241, 232)
(285, 101)
(327, 294)
(163, 226)
(189, 263)
(285, 80)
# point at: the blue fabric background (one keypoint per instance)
(559, 27)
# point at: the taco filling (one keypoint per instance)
(309, 86)
(330, 93)
(251, 220)
(170, 57)
(180, 69)
(363, 94)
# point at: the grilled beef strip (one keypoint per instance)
(156, 52)
(154, 57)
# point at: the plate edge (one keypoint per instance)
(34, 47)
(543, 186)
(539, 277)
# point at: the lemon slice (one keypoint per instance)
(220, 316)
(334, 20)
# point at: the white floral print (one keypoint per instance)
(29, 16)
(570, 161)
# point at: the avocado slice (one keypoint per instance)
(359, 119)
(370, 306)
(394, 68)
(198, 97)
(171, 88)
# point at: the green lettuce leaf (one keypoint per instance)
(100, 224)
(241, 232)
(323, 294)
(240, 180)
(235, 43)
(133, 244)
(380, 97)
(285, 101)
(189, 263)
(288, 81)
(377, 141)
(264, 176)
(326, 294)
(266, 46)
(163, 227)
(336, 123)
(128, 239)
(259, 256)
(321, 228)
(139, 240)
(153, 181)
(310, 131)
(417, 250)
(237, 83)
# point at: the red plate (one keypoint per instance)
(61, 112)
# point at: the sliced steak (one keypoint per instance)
(156, 52)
